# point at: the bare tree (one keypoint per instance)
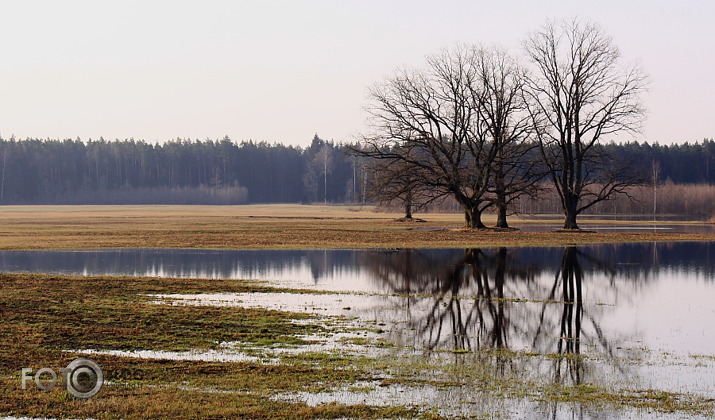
(426, 120)
(396, 181)
(578, 96)
(455, 124)
(505, 121)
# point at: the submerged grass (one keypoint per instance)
(44, 316)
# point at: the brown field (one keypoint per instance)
(270, 226)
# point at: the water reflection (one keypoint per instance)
(351, 270)
(624, 317)
(610, 315)
(488, 299)
(465, 308)
(548, 300)
(474, 298)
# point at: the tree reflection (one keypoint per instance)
(570, 276)
(457, 303)
(569, 366)
(488, 299)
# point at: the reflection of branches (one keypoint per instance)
(493, 302)
(466, 308)
(569, 278)
(570, 339)
(513, 299)
(507, 299)
(569, 366)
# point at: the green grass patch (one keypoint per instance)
(43, 316)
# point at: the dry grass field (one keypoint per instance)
(270, 226)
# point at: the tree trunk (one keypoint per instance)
(473, 217)
(500, 197)
(570, 213)
(408, 210)
(501, 215)
(408, 205)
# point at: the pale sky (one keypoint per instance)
(282, 71)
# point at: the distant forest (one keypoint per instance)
(35, 171)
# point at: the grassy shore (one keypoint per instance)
(272, 226)
(44, 317)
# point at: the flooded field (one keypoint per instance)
(607, 331)
(642, 226)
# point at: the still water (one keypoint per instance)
(642, 314)
(661, 294)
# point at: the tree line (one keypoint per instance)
(36, 171)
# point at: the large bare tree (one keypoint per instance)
(426, 120)
(579, 95)
(505, 121)
(452, 123)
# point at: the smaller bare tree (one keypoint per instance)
(505, 122)
(394, 181)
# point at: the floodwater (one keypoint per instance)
(638, 316)
(695, 228)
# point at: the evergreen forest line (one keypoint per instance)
(44, 171)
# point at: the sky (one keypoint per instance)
(283, 71)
